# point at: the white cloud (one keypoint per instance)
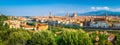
(100, 8)
(116, 9)
(93, 8)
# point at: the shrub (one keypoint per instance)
(42, 38)
(74, 37)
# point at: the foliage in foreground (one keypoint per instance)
(42, 38)
(14, 36)
(18, 38)
(74, 37)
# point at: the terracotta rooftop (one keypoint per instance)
(27, 26)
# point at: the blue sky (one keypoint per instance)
(43, 7)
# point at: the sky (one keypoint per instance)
(43, 7)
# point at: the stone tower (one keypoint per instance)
(50, 14)
(106, 17)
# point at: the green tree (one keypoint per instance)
(31, 23)
(2, 19)
(103, 39)
(18, 38)
(42, 38)
(118, 39)
(1, 42)
(74, 37)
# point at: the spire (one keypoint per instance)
(50, 13)
(106, 14)
(67, 14)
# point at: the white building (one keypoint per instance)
(101, 24)
(116, 25)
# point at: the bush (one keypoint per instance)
(118, 40)
(18, 38)
(42, 38)
(74, 37)
(1, 42)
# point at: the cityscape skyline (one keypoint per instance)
(43, 7)
(59, 22)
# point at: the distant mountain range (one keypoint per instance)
(92, 13)
(99, 13)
